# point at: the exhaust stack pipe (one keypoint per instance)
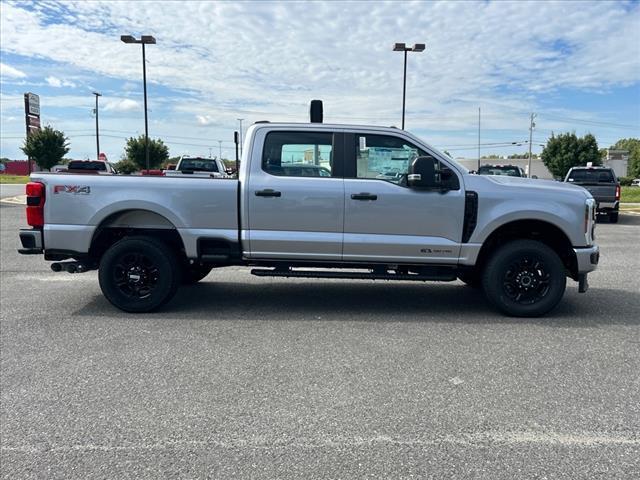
(70, 267)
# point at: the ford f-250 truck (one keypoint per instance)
(517, 238)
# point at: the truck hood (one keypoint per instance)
(528, 185)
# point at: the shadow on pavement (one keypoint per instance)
(374, 302)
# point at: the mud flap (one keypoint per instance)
(583, 283)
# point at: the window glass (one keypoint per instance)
(384, 157)
(388, 158)
(591, 176)
(298, 154)
(198, 164)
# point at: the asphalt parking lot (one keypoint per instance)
(241, 377)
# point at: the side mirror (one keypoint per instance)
(422, 173)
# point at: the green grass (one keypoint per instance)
(630, 194)
(17, 179)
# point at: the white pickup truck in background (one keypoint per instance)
(317, 200)
(198, 167)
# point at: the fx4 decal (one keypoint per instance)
(75, 189)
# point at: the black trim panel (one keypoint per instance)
(470, 215)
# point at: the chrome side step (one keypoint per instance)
(441, 274)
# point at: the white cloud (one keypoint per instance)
(57, 82)
(121, 105)
(11, 72)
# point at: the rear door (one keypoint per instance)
(295, 195)
(384, 219)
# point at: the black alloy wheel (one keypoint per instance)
(524, 278)
(139, 274)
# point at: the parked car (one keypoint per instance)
(508, 170)
(635, 182)
(516, 238)
(91, 167)
(603, 184)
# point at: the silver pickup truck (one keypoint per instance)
(323, 201)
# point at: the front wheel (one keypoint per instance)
(524, 278)
(139, 274)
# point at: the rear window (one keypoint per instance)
(507, 171)
(87, 165)
(591, 176)
(199, 164)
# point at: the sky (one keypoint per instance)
(576, 65)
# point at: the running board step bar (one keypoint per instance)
(442, 274)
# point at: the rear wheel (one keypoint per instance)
(524, 278)
(139, 274)
(613, 217)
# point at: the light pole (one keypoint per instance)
(402, 47)
(240, 120)
(144, 40)
(532, 125)
(97, 131)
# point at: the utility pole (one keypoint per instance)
(532, 125)
(478, 139)
(209, 152)
(220, 145)
(97, 131)
(240, 120)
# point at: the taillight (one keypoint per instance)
(617, 192)
(35, 204)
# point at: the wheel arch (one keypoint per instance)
(134, 222)
(532, 229)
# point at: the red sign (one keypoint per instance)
(102, 157)
(34, 121)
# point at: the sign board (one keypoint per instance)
(34, 121)
(102, 157)
(33, 104)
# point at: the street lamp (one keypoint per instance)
(144, 40)
(97, 131)
(402, 47)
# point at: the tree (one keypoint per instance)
(567, 150)
(632, 145)
(126, 166)
(134, 151)
(47, 147)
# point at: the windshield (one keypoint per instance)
(200, 164)
(591, 176)
(506, 170)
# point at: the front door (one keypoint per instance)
(386, 221)
(295, 197)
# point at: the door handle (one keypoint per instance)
(268, 193)
(363, 196)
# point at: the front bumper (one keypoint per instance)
(31, 240)
(587, 258)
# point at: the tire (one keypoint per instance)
(139, 274)
(613, 217)
(194, 273)
(524, 278)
